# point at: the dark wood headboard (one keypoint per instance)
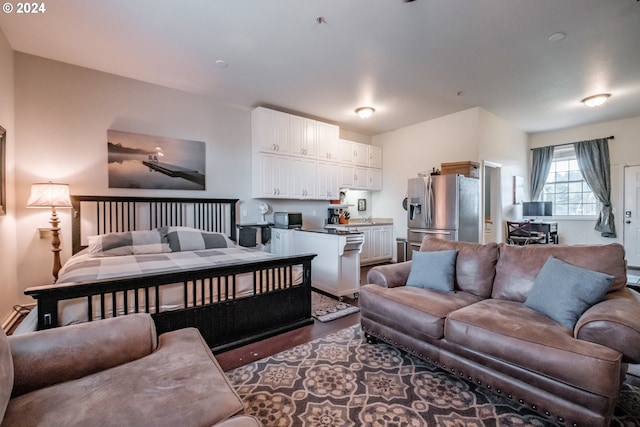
(93, 215)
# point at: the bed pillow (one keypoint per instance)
(128, 243)
(564, 291)
(433, 270)
(192, 239)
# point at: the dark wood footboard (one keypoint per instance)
(225, 320)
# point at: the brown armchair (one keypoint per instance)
(114, 372)
(520, 233)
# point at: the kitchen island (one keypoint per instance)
(378, 238)
(336, 268)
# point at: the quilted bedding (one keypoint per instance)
(83, 267)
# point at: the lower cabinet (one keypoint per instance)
(282, 242)
(378, 242)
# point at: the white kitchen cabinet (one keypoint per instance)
(270, 131)
(336, 267)
(375, 179)
(304, 136)
(375, 157)
(361, 154)
(270, 176)
(346, 151)
(361, 178)
(365, 255)
(378, 242)
(381, 243)
(328, 141)
(327, 174)
(302, 178)
(386, 243)
(346, 177)
(282, 242)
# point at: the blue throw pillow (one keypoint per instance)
(433, 270)
(563, 291)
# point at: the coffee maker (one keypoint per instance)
(334, 215)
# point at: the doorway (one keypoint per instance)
(491, 203)
(631, 215)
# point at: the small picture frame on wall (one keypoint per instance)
(362, 204)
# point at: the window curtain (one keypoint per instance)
(593, 160)
(540, 165)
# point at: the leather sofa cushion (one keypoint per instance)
(475, 264)
(513, 333)
(518, 266)
(63, 354)
(6, 373)
(417, 312)
(180, 377)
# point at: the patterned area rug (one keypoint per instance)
(341, 381)
(325, 308)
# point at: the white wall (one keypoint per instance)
(9, 288)
(471, 135)
(503, 144)
(623, 150)
(62, 116)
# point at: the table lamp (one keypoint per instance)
(51, 195)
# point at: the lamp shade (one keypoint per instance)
(49, 195)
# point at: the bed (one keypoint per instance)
(192, 275)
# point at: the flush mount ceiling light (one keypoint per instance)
(365, 112)
(596, 100)
(556, 37)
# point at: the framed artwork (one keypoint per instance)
(518, 189)
(3, 173)
(362, 204)
(155, 162)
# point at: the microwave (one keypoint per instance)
(287, 220)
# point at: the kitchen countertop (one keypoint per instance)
(330, 230)
(362, 223)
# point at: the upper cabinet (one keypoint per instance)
(358, 154)
(375, 157)
(299, 158)
(304, 136)
(328, 142)
(270, 131)
(361, 154)
(361, 167)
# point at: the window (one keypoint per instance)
(566, 188)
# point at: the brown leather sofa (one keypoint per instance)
(483, 331)
(114, 372)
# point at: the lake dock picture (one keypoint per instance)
(154, 162)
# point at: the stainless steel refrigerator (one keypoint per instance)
(444, 206)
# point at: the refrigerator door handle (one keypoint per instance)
(429, 231)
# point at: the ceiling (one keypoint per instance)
(411, 61)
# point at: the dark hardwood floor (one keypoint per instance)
(251, 352)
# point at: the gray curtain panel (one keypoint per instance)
(593, 160)
(540, 165)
